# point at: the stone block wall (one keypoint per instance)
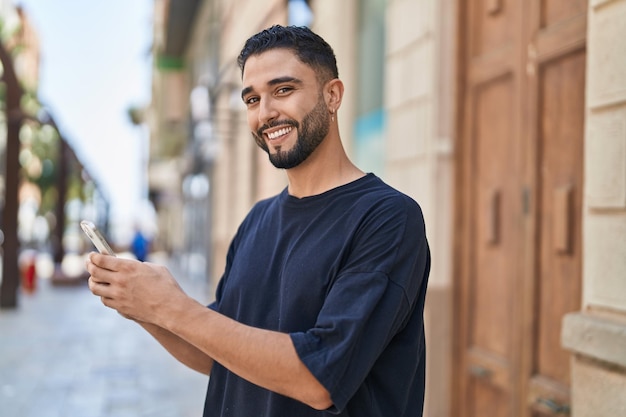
(596, 335)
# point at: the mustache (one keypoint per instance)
(266, 126)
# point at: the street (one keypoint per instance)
(63, 354)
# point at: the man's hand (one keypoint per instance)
(137, 290)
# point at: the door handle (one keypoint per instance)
(553, 406)
(563, 217)
(492, 220)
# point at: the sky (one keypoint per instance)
(95, 65)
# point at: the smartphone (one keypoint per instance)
(96, 237)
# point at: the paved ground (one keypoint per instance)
(63, 354)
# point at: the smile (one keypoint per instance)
(279, 133)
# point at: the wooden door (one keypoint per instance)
(490, 178)
(556, 112)
(519, 203)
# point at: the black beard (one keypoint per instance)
(315, 127)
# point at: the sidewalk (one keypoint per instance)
(63, 354)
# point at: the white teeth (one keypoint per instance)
(279, 132)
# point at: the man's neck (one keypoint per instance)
(327, 168)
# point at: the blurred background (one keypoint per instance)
(504, 119)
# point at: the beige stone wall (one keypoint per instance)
(596, 336)
(418, 101)
(605, 179)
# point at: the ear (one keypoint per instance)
(333, 94)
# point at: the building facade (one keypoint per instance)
(503, 118)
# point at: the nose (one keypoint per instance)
(267, 111)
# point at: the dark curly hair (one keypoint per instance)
(309, 47)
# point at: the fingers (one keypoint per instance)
(108, 276)
(99, 289)
(103, 261)
(104, 268)
(97, 275)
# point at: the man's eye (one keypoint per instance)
(251, 100)
(284, 90)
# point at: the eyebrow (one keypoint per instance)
(275, 81)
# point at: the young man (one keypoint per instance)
(320, 308)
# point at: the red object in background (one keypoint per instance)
(29, 274)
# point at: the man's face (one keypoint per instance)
(287, 113)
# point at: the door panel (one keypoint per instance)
(560, 191)
(554, 11)
(557, 39)
(490, 210)
(493, 273)
(492, 28)
(558, 181)
(493, 245)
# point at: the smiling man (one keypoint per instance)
(273, 133)
(320, 308)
